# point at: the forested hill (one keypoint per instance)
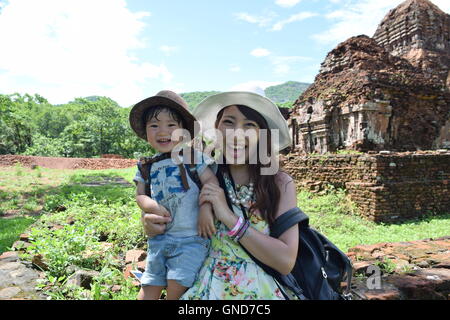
(194, 98)
(284, 94)
(86, 127)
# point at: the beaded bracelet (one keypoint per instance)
(242, 231)
(236, 228)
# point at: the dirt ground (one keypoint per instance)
(66, 163)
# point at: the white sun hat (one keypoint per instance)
(206, 113)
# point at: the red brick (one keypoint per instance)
(135, 256)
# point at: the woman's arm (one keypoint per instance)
(281, 253)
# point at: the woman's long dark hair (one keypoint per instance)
(266, 191)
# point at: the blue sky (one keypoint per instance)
(131, 49)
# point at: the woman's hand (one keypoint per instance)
(154, 224)
(215, 195)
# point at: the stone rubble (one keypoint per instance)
(414, 270)
(418, 270)
(18, 280)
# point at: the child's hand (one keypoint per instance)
(162, 211)
(154, 224)
(206, 226)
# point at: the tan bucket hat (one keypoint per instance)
(206, 113)
(164, 98)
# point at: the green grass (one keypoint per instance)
(337, 218)
(10, 229)
(96, 225)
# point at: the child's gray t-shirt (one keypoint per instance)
(167, 189)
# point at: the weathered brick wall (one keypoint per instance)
(385, 187)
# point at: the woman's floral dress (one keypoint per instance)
(229, 273)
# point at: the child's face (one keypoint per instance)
(159, 132)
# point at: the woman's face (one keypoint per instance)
(240, 136)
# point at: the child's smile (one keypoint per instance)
(164, 141)
(159, 132)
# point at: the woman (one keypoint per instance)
(244, 121)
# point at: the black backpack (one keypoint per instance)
(320, 267)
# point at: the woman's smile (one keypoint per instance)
(237, 151)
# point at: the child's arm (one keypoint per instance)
(147, 204)
(206, 226)
(149, 208)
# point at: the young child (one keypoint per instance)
(174, 257)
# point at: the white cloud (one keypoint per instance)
(235, 68)
(355, 17)
(444, 5)
(260, 52)
(260, 20)
(168, 50)
(72, 48)
(254, 86)
(282, 64)
(176, 87)
(296, 17)
(267, 19)
(287, 3)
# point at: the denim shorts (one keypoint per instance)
(174, 258)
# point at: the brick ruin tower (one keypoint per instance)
(418, 31)
(389, 92)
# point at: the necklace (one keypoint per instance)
(243, 194)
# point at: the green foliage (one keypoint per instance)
(10, 229)
(92, 227)
(283, 95)
(386, 265)
(194, 98)
(45, 146)
(286, 92)
(95, 228)
(16, 127)
(337, 217)
(88, 127)
(85, 127)
(288, 104)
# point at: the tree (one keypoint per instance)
(15, 125)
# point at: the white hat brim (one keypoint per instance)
(206, 113)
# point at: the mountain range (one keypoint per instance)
(283, 95)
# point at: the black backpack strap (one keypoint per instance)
(184, 180)
(287, 220)
(220, 178)
(145, 166)
(347, 292)
(193, 174)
